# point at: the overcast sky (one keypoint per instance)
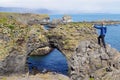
(78, 6)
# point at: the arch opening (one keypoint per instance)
(55, 61)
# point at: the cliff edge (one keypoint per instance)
(91, 62)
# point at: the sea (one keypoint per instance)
(56, 61)
(88, 17)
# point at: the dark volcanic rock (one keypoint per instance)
(13, 63)
(94, 61)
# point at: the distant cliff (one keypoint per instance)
(25, 10)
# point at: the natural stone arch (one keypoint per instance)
(56, 44)
(65, 38)
(52, 46)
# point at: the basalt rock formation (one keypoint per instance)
(92, 62)
(18, 39)
(77, 41)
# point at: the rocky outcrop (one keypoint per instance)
(13, 63)
(66, 19)
(43, 21)
(77, 41)
(92, 62)
(37, 44)
(67, 37)
(18, 40)
(41, 51)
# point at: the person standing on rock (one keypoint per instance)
(103, 30)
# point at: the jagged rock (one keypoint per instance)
(34, 45)
(41, 51)
(96, 62)
(44, 21)
(66, 19)
(13, 63)
(56, 21)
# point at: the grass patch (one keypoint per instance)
(12, 27)
(3, 20)
(91, 79)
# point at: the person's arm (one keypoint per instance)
(97, 27)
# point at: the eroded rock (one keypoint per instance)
(41, 51)
(94, 61)
(13, 63)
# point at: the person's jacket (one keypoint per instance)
(103, 29)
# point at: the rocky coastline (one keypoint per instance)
(76, 40)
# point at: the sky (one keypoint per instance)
(73, 6)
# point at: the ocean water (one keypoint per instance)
(89, 17)
(46, 27)
(56, 62)
(113, 36)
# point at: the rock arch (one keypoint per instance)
(77, 41)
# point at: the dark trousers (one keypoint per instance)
(101, 40)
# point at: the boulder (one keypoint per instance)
(66, 19)
(41, 51)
